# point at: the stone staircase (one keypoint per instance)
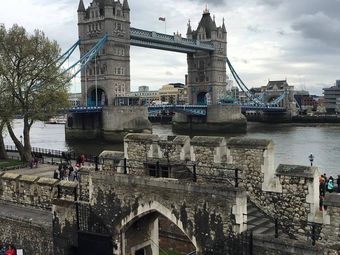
(258, 222)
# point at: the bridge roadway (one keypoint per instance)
(198, 110)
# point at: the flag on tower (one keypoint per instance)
(161, 18)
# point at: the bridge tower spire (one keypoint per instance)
(111, 69)
(207, 76)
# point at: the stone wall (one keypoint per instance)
(330, 234)
(34, 191)
(289, 194)
(34, 237)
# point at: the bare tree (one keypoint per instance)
(35, 85)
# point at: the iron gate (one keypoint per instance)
(93, 235)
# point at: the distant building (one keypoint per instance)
(143, 88)
(170, 93)
(144, 95)
(274, 89)
(331, 95)
(75, 99)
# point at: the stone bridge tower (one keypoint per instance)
(207, 71)
(110, 71)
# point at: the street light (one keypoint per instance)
(311, 159)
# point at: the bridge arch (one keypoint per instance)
(202, 98)
(101, 96)
(152, 207)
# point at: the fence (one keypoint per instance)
(52, 154)
(178, 170)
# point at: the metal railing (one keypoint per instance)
(177, 170)
(53, 155)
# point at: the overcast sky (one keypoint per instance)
(267, 39)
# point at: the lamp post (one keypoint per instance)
(311, 159)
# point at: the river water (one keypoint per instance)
(292, 143)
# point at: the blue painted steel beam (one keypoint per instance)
(200, 110)
(85, 109)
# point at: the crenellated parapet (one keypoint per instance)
(34, 191)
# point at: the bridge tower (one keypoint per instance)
(108, 75)
(207, 78)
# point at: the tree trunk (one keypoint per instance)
(17, 143)
(27, 141)
(3, 153)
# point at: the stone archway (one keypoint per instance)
(146, 219)
(201, 98)
(97, 97)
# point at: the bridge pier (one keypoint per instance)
(111, 124)
(219, 118)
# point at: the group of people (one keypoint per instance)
(67, 172)
(327, 185)
(7, 249)
(36, 158)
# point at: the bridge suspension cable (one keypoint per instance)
(86, 58)
(242, 86)
(63, 58)
(257, 100)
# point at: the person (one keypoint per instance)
(82, 159)
(56, 174)
(338, 183)
(330, 184)
(10, 250)
(66, 173)
(322, 188)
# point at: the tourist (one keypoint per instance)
(66, 173)
(338, 183)
(322, 187)
(10, 250)
(82, 159)
(56, 174)
(70, 172)
(2, 248)
(330, 184)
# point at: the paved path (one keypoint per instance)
(43, 170)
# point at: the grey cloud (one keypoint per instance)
(320, 27)
(254, 28)
(169, 73)
(212, 2)
(281, 32)
(272, 3)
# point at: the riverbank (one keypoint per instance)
(327, 119)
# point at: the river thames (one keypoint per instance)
(292, 143)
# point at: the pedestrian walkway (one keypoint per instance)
(43, 170)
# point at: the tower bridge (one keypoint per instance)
(106, 76)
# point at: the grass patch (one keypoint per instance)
(9, 162)
(167, 252)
